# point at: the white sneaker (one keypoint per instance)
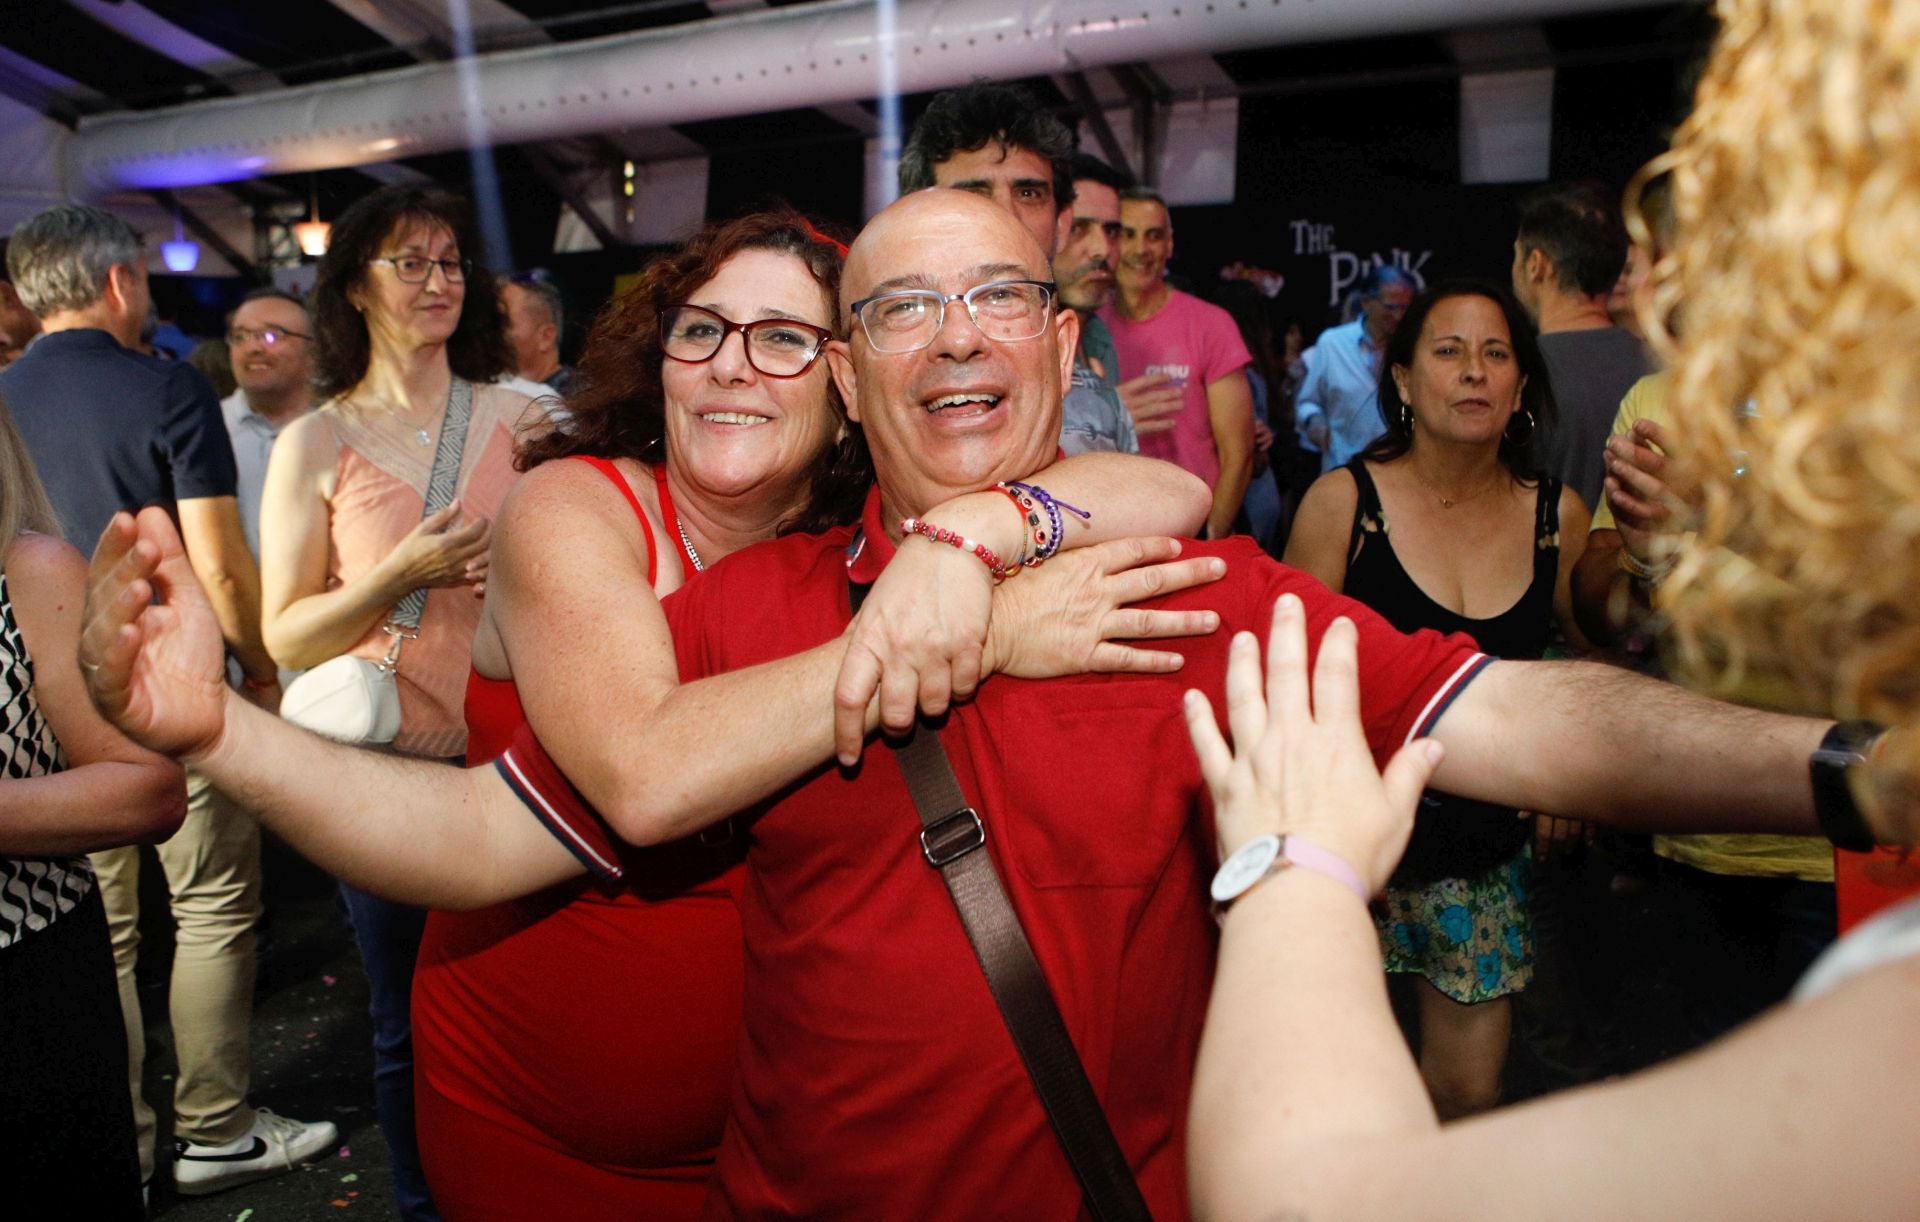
(273, 1145)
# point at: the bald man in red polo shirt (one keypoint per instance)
(876, 1079)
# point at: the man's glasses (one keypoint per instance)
(776, 347)
(1004, 310)
(414, 269)
(272, 337)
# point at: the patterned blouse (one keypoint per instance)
(34, 891)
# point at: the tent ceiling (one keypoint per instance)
(67, 60)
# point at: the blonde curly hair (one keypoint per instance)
(1795, 190)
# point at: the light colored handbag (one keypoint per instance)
(357, 700)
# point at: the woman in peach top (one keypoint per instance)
(343, 538)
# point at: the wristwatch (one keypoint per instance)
(1844, 746)
(1264, 856)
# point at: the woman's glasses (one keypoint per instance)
(776, 347)
(414, 269)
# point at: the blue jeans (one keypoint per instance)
(389, 939)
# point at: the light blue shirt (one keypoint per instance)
(253, 436)
(1342, 386)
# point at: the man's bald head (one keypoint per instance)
(964, 409)
(882, 253)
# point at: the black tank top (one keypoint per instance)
(1454, 837)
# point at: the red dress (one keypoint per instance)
(574, 1050)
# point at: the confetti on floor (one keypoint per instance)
(346, 1151)
(350, 1178)
(244, 1215)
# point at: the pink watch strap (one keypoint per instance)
(1309, 856)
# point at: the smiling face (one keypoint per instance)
(1146, 243)
(278, 368)
(965, 411)
(1464, 383)
(1084, 266)
(409, 316)
(1018, 179)
(731, 429)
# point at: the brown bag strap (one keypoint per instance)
(951, 835)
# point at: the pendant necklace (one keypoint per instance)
(1448, 502)
(673, 519)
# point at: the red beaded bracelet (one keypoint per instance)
(940, 534)
(1030, 518)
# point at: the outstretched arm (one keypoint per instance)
(590, 651)
(1591, 741)
(154, 668)
(1307, 1104)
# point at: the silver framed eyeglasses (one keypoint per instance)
(415, 269)
(272, 337)
(776, 347)
(1004, 310)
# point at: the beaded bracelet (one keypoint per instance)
(1029, 518)
(940, 534)
(1033, 498)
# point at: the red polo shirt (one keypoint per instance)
(876, 1079)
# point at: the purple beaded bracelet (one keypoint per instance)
(1045, 548)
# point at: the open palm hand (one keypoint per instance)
(151, 647)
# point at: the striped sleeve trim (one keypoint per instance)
(537, 781)
(1444, 695)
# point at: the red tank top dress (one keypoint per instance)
(574, 1050)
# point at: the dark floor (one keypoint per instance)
(312, 1053)
(312, 1057)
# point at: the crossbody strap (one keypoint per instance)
(952, 834)
(441, 484)
(444, 480)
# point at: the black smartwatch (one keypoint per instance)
(1844, 746)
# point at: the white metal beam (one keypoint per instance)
(749, 63)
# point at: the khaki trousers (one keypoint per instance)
(212, 866)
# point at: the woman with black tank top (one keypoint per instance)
(1442, 524)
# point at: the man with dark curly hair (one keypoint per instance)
(997, 141)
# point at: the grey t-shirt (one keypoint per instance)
(1091, 415)
(1592, 371)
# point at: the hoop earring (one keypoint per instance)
(1406, 418)
(1525, 437)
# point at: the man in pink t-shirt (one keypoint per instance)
(1182, 364)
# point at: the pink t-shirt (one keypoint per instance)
(1195, 344)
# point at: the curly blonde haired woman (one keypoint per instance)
(1796, 185)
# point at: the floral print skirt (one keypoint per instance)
(1472, 938)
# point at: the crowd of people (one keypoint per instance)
(771, 765)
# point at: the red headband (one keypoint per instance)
(821, 237)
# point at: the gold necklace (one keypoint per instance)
(380, 407)
(1448, 502)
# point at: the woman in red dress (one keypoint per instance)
(575, 1047)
